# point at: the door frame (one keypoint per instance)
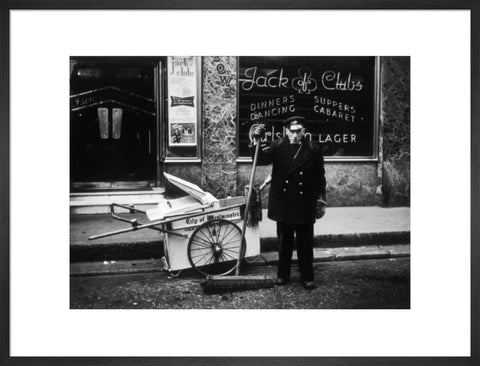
(158, 64)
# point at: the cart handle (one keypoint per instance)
(132, 209)
(153, 225)
(135, 228)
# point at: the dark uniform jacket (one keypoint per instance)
(296, 183)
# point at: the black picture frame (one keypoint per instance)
(6, 6)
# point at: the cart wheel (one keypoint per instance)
(214, 247)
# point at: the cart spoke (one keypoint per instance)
(232, 253)
(220, 234)
(210, 261)
(208, 249)
(203, 241)
(211, 234)
(223, 257)
(201, 258)
(205, 231)
(234, 250)
(228, 255)
(206, 238)
(200, 255)
(233, 228)
(215, 231)
(201, 248)
(232, 244)
(218, 229)
(231, 240)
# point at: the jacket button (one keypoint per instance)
(301, 173)
(284, 189)
(301, 192)
(300, 183)
(286, 181)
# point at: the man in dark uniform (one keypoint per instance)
(297, 195)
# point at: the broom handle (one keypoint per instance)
(247, 206)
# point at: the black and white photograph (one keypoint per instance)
(239, 184)
(296, 197)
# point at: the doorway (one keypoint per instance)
(113, 123)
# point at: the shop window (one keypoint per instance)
(338, 96)
(183, 108)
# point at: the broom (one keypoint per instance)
(214, 284)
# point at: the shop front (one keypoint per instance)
(133, 118)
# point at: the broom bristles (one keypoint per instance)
(214, 284)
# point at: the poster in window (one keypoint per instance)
(182, 101)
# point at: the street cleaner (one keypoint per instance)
(297, 195)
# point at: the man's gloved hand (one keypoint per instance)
(258, 131)
(320, 208)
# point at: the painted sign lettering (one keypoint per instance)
(334, 94)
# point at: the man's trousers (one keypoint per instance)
(303, 234)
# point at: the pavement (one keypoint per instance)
(344, 233)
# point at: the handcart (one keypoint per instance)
(200, 231)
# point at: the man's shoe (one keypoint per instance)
(281, 281)
(309, 285)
